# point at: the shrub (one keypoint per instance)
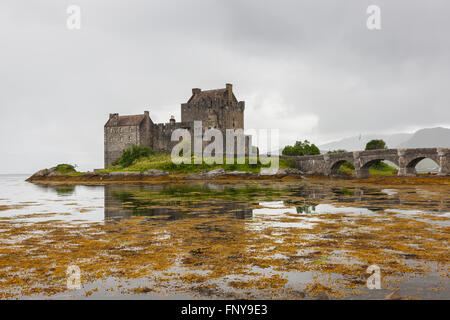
(65, 168)
(348, 165)
(132, 154)
(376, 144)
(301, 149)
(290, 163)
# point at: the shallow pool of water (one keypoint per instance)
(253, 239)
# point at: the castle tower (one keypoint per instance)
(216, 108)
(121, 132)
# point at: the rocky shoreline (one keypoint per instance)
(52, 175)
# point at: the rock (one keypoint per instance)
(54, 174)
(322, 296)
(294, 171)
(214, 173)
(207, 174)
(41, 173)
(393, 296)
(155, 173)
(289, 172)
(125, 174)
(46, 173)
(238, 173)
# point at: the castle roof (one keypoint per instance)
(201, 95)
(123, 121)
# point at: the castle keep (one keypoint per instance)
(217, 109)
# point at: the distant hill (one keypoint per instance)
(428, 138)
(357, 143)
(424, 138)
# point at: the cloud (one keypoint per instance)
(312, 70)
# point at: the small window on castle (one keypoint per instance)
(129, 138)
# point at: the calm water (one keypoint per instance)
(339, 225)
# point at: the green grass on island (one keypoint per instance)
(141, 159)
(161, 161)
(67, 169)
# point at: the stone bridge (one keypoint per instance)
(405, 159)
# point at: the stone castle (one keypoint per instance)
(217, 109)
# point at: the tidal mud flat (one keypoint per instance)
(247, 239)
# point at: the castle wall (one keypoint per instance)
(145, 134)
(118, 139)
(162, 133)
(218, 115)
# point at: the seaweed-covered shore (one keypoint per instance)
(51, 176)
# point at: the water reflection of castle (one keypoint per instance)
(126, 201)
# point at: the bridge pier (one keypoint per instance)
(411, 172)
(444, 161)
(403, 169)
(360, 171)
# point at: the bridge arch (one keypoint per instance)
(365, 159)
(336, 165)
(412, 163)
(369, 163)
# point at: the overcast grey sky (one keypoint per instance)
(310, 68)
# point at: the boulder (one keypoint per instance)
(238, 173)
(214, 173)
(281, 172)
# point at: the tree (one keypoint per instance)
(376, 144)
(301, 149)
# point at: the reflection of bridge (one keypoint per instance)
(405, 159)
